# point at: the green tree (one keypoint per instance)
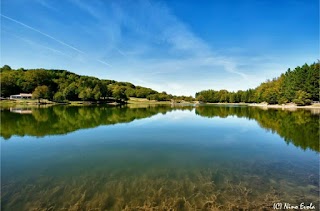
(86, 94)
(302, 98)
(9, 85)
(96, 92)
(5, 68)
(40, 92)
(119, 93)
(71, 92)
(232, 97)
(59, 97)
(282, 100)
(34, 78)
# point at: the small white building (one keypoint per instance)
(21, 96)
(21, 111)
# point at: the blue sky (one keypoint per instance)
(178, 46)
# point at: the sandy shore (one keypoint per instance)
(291, 105)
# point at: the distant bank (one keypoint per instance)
(286, 106)
(144, 101)
(295, 87)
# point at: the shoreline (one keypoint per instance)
(143, 101)
(285, 106)
(48, 102)
(265, 105)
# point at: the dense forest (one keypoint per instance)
(300, 86)
(61, 86)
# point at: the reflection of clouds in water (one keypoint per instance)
(172, 122)
(243, 125)
(169, 116)
(140, 122)
(178, 115)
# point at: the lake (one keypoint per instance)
(161, 157)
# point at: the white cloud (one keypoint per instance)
(148, 45)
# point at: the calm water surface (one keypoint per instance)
(185, 158)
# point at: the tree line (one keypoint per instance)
(300, 86)
(62, 85)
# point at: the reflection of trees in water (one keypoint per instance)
(65, 119)
(299, 127)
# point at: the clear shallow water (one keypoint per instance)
(108, 158)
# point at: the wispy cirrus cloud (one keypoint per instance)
(51, 37)
(162, 44)
(42, 33)
(152, 43)
(37, 44)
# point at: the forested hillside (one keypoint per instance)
(300, 86)
(61, 85)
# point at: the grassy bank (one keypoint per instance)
(24, 102)
(134, 100)
(31, 102)
(224, 103)
(144, 101)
